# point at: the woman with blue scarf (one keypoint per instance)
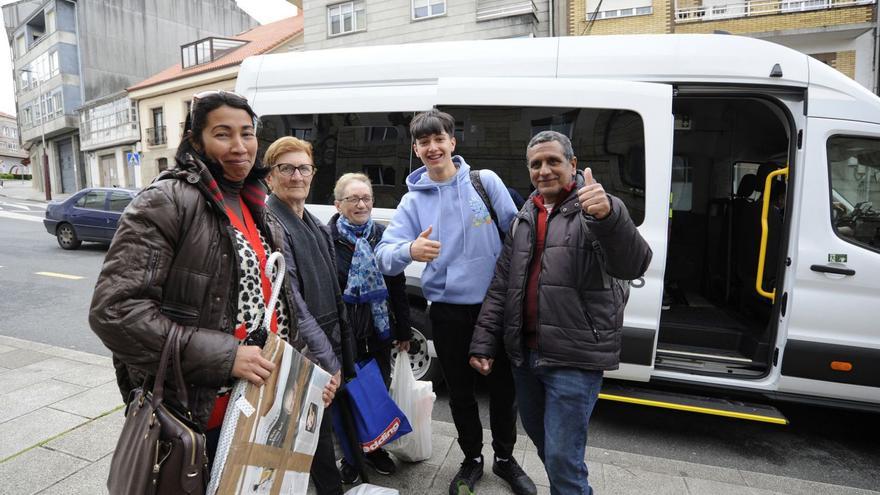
(377, 307)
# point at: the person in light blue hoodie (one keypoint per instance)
(444, 222)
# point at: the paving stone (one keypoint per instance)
(88, 375)
(80, 356)
(22, 357)
(793, 486)
(671, 467)
(440, 445)
(33, 428)
(414, 477)
(36, 470)
(93, 402)
(92, 440)
(25, 400)
(89, 481)
(4, 349)
(533, 466)
(698, 486)
(628, 481)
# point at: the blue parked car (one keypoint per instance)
(89, 215)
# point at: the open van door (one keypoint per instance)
(623, 130)
(833, 343)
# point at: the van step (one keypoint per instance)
(702, 354)
(692, 403)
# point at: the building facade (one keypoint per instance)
(70, 55)
(841, 33)
(330, 23)
(11, 154)
(163, 100)
(108, 132)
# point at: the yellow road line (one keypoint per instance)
(59, 275)
(696, 409)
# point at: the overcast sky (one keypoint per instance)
(262, 10)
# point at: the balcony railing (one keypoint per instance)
(156, 136)
(747, 9)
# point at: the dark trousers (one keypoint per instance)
(453, 329)
(324, 473)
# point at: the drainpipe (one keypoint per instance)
(552, 25)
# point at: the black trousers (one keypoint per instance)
(453, 329)
(325, 475)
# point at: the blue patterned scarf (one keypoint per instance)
(365, 281)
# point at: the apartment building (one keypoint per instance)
(69, 56)
(11, 154)
(331, 23)
(163, 100)
(841, 33)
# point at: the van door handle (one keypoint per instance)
(832, 269)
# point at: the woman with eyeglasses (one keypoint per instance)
(309, 249)
(376, 305)
(190, 251)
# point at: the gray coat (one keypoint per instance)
(579, 319)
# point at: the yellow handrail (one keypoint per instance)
(765, 210)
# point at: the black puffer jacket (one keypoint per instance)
(173, 260)
(572, 298)
(359, 317)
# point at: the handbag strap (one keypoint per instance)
(171, 345)
(182, 394)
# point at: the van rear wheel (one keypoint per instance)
(424, 366)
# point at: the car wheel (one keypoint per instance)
(424, 366)
(67, 238)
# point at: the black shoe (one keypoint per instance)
(349, 473)
(466, 478)
(510, 472)
(381, 462)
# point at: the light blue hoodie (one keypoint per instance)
(469, 241)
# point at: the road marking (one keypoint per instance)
(13, 205)
(19, 216)
(59, 275)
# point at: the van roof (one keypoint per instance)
(668, 58)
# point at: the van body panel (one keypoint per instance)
(833, 95)
(681, 58)
(829, 308)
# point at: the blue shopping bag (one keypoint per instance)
(377, 418)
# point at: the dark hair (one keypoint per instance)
(196, 121)
(549, 136)
(432, 122)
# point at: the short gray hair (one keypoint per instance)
(347, 179)
(548, 136)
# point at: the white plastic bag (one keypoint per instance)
(368, 489)
(416, 400)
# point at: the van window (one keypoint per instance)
(611, 142)
(854, 171)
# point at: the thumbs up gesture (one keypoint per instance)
(424, 249)
(592, 197)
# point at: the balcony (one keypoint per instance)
(156, 136)
(749, 9)
(488, 9)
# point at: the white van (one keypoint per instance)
(750, 168)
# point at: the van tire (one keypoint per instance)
(423, 365)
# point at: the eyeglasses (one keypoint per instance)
(353, 200)
(288, 169)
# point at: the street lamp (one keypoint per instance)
(46, 181)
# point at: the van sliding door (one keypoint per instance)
(622, 130)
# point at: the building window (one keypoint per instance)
(423, 9)
(207, 50)
(36, 28)
(348, 17)
(610, 9)
(162, 164)
(20, 46)
(156, 134)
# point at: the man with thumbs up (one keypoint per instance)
(555, 305)
(443, 221)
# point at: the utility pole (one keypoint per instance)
(46, 181)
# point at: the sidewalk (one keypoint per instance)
(23, 190)
(60, 415)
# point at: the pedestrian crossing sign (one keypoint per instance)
(133, 159)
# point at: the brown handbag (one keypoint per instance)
(160, 451)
